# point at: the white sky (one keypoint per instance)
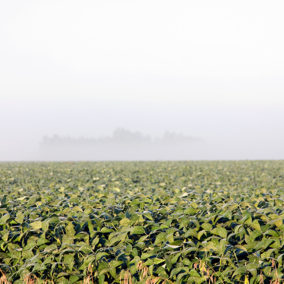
(147, 58)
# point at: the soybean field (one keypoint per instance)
(142, 222)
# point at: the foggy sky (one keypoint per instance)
(209, 69)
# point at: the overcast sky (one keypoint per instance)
(211, 69)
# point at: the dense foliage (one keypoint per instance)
(185, 222)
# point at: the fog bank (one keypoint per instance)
(226, 132)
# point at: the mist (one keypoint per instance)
(208, 70)
(224, 132)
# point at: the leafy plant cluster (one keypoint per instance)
(142, 222)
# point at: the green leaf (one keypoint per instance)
(30, 245)
(241, 270)
(160, 238)
(255, 225)
(5, 218)
(36, 225)
(22, 198)
(102, 267)
(77, 209)
(137, 230)
(272, 233)
(278, 222)
(101, 279)
(148, 215)
(194, 273)
(176, 257)
(45, 226)
(50, 248)
(70, 231)
(20, 217)
(100, 255)
(220, 231)
(146, 255)
(73, 279)
(106, 230)
(158, 261)
(207, 227)
(241, 247)
(124, 221)
(115, 263)
(267, 253)
(254, 235)
(190, 233)
(190, 211)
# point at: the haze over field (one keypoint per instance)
(207, 69)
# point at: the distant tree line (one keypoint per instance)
(122, 145)
(120, 136)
